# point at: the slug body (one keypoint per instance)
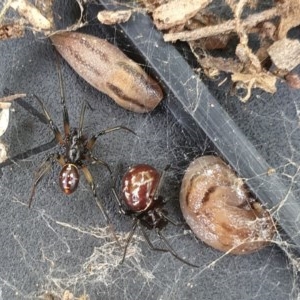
(109, 70)
(216, 205)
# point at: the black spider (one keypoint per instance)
(140, 188)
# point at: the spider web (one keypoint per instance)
(62, 244)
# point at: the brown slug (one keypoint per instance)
(109, 70)
(218, 208)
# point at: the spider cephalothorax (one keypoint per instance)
(76, 148)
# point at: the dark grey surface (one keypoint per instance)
(59, 244)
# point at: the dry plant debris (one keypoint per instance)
(29, 12)
(12, 30)
(67, 295)
(174, 13)
(37, 18)
(109, 17)
(204, 30)
(5, 104)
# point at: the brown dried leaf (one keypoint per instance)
(177, 12)
(109, 17)
(285, 54)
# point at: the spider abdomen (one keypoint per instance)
(139, 185)
(69, 178)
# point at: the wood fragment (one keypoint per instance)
(223, 28)
(150, 5)
(46, 8)
(290, 17)
(248, 58)
(285, 54)
(109, 17)
(177, 12)
(31, 14)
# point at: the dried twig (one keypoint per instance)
(223, 28)
(12, 97)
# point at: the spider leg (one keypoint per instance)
(141, 226)
(121, 209)
(44, 168)
(172, 251)
(81, 118)
(160, 183)
(116, 196)
(92, 140)
(63, 101)
(101, 162)
(53, 127)
(99, 203)
(128, 240)
(166, 217)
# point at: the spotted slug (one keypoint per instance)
(218, 208)
(109, 70)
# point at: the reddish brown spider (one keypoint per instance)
(140, 192)
(75, 152)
